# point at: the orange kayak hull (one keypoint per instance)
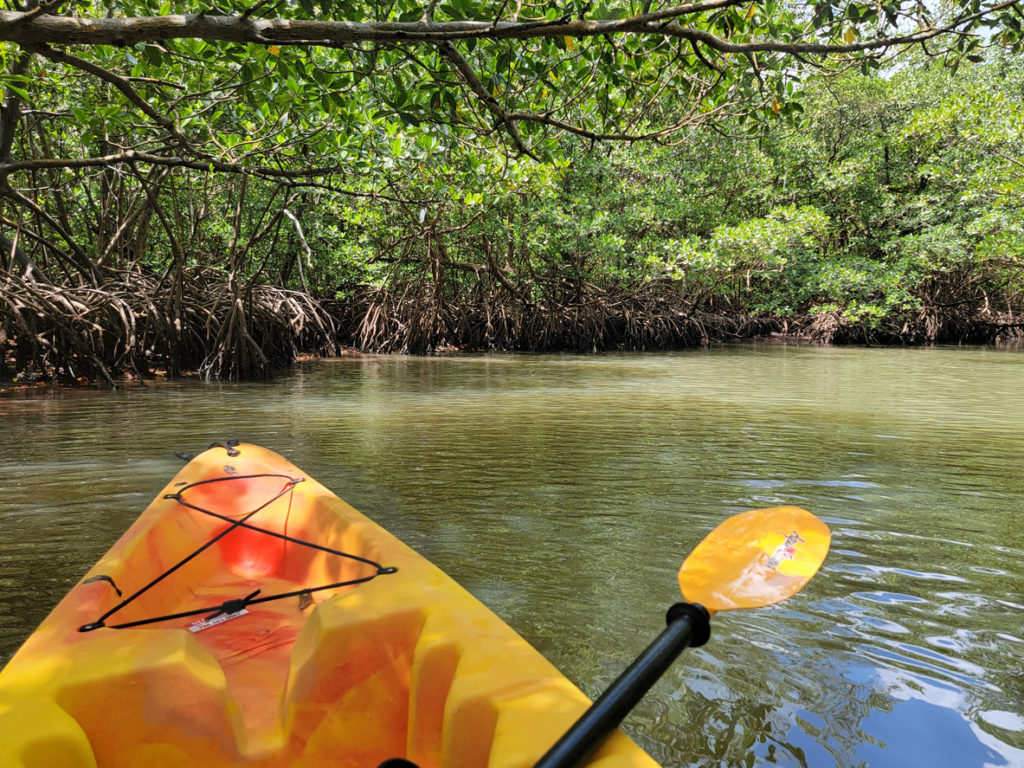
(403, 664)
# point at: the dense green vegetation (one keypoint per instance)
(465, 175)
(891, 211)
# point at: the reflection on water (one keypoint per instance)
(564, 491)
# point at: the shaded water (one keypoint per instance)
(564, 491)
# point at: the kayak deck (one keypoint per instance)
(402, 663)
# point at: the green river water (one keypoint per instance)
(564, 491)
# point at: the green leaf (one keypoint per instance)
(20, 92)
(503, 60)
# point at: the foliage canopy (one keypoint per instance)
(386, 154)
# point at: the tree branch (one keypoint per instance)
(292, 178)
(11, 111)
(132, 155)
(462, 66)
(122, 84)
(81, 260)
(70, 30)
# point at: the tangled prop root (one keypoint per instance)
(135, 325)
(413, 319)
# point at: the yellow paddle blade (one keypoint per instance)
(755, 559)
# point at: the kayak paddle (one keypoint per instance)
(750, 560)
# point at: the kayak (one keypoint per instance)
(251, 617)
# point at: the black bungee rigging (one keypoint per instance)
(235, 605)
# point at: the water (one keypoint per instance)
(564, 491)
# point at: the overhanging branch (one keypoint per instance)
(466, 71)
(48, 29)
(292, 178)
(132, 156)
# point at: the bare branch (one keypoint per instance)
(554, 122)
(81, 259)
(305, 245)
(131, 155)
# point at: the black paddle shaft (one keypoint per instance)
(688, 626)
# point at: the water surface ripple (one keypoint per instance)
(564, 491)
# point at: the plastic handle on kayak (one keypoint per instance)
(688, 626)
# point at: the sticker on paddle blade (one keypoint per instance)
(755, 559)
